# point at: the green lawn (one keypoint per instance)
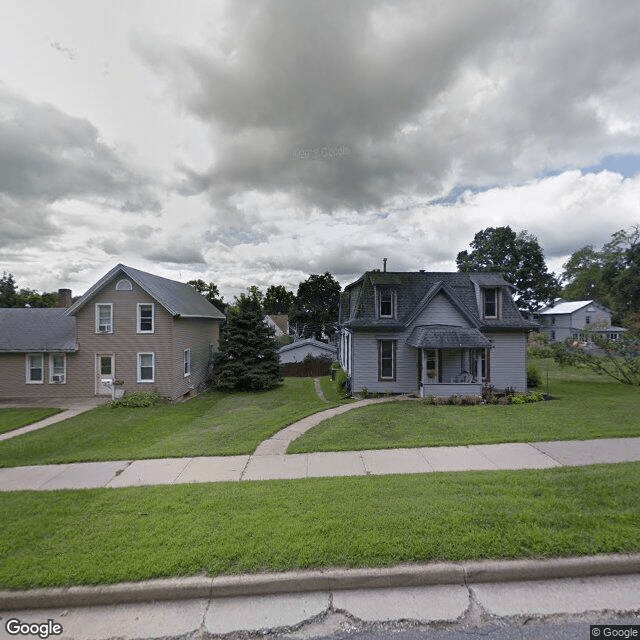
(584, 406)
(211, 424)
(111, 535)
(14, 418)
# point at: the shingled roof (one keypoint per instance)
(37, 330)
(414, 290)
(178, 298)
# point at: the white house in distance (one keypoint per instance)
(564, 320)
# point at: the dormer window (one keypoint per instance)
(386, 303)
(490, 303)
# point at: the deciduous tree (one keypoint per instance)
(519, 258)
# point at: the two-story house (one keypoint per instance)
(131, 330)
(565, 320)
(434, 334)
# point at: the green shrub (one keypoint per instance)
(138, 399)
(533, 376)
(429, 400)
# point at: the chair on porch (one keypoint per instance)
(463, 376)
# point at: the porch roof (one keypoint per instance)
(439, 336)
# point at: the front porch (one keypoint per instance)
(451, 360)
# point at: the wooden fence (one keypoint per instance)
(307, 369)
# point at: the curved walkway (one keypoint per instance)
(270, 461)
(278, 443)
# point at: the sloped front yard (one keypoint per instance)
(211, 424)
(584, 406)
(14, 418)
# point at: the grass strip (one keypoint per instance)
(584, 407)
(111, 535)
(210, 424)
(14, 418)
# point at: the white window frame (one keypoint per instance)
(98, 306)
(139, 367)
(392, 302)
(496, 291)
(139, 328)
(392, 377)
(187, 362)
(124, 285)
(29, 368)
(52, 371)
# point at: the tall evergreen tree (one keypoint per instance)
(248, 357)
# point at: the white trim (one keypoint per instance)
(186, 363)
(28, 379)
(139, 317)
(97, 312)
(139, 367)
(124, 285)
(61, 377)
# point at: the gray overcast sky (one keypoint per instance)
(258, 142)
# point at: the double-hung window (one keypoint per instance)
(145, 318)
(386, 303)
(35, 368)
(491, 302)
(57, 368)
(146, 367)
(104, 318)
(187, 362)
(386, 359)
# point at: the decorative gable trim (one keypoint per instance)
(441, 287)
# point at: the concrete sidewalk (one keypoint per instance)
(509, 456)
(72, 408)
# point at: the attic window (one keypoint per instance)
(386, 303)
(490, 303)
(124, 285)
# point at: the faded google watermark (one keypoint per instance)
(324, 152)
(43, 630)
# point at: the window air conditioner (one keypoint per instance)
(58, 378)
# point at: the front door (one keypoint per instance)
(105, 372)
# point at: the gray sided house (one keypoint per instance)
(433, 334)
(131, 330)
(572, 319)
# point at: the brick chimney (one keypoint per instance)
(64, 298)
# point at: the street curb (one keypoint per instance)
(200, 587)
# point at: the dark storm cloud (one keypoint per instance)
(48, 156)
(348, 104)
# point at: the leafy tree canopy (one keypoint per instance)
(277, 300)
(611, 275)
(210, 292)
(315, 310)
(11, 297)
(519, 258)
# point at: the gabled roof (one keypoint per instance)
(281, 320)
(415, 290)
(37, 330)
(562, 307)
(330, 349)
(178, 298)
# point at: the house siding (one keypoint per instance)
(508, 365)
(125, 342)
(196, 334)
(13, 379)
